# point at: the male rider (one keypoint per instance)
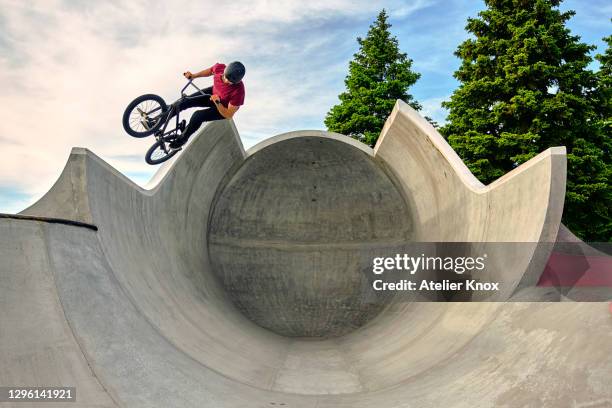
(227, 96)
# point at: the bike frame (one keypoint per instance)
(175, 108)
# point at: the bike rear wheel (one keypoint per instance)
(159, 153)
(143, 115)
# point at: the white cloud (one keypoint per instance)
(408, 8)
(68, 69)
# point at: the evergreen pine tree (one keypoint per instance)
(378, 75)
(604, 76)
(525, 87)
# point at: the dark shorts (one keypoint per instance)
(208, 114)
(197, 100)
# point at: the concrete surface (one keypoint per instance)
(157, 308)
(302, 219)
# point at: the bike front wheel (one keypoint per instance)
(159, 153)
(143, 115)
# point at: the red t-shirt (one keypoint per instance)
(228, 93)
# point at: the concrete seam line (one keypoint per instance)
(50, 220)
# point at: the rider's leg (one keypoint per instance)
(196, 100)
(199, 117)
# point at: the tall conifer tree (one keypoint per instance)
(378, 75)
(604, 76)
(524, 87)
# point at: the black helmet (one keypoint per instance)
(234, 71)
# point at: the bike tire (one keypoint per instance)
(127, 115)
(149, 157)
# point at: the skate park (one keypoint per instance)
(234, 279)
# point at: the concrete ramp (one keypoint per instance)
(236, 281)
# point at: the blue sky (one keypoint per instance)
(68, 68)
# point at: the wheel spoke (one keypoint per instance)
(151, 109)
(158, 153)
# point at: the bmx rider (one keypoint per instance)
(227, 95)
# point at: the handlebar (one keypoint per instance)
(190, 82)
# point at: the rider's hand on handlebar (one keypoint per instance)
(188, 75)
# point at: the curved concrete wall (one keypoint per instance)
(450, 205)
(294, 231)
(139, 305)
(37, 344)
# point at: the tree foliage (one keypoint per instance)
(525, 86)
(378, 75)
(605, 87)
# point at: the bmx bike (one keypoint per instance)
(150, 115)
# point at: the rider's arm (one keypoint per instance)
(228, 112)
(204, 73)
